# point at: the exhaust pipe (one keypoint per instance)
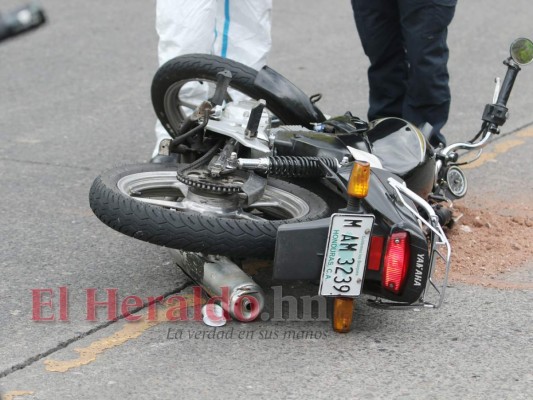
(214, 273)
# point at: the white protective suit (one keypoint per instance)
(235, 29)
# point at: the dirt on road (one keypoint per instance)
(489, 245)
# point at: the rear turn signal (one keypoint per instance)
(396, 262)
(342, 314)
(359, 179)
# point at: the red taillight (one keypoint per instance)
(396, 262)
(376, 250)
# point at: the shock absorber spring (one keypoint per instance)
(300, 167)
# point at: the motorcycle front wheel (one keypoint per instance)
(147, 202)
(182, 83)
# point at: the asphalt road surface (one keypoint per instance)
(74, 100)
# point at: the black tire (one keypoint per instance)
(203, 67)
(189, 230)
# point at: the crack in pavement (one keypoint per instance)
(66, 343)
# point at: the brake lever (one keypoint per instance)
(221, 90)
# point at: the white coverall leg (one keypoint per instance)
(235, 29)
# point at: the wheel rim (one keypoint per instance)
(162, 189)
(184, 96)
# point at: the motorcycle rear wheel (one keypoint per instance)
(147, 202)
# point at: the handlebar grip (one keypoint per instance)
(508, 82)
(20, 20)
(496, 114)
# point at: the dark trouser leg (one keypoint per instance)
(378, 24)
(424, 28)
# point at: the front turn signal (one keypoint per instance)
(359, 179)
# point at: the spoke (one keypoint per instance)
(186, 104)
(183, 188)
(162, 203)
(178, 205)
(265, 203)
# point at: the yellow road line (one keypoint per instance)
(89, 354)
(16, 393)
(131, 330)
(528, 132)
(499, 148)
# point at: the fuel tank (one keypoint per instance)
(400, 146)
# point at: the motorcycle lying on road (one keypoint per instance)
(262, 173)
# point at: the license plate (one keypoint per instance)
(346, 254)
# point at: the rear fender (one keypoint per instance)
(306, 242)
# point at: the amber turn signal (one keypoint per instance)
(342, 314)
(359, 179)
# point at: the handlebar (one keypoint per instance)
(512, 71)
(467, 146)
(20, 20)
(494, 115)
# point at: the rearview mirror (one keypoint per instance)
(522, 51)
